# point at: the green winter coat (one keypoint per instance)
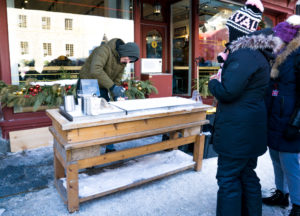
(104, 65)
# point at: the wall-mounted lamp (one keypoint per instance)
(157, 8)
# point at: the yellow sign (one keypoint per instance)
(224, 42)
(154, 44)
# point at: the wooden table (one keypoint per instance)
(77, 144)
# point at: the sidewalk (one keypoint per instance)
(188, 193)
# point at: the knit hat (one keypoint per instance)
(288, 29)
(130, 50)
(245, 20)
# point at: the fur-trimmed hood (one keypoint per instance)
(291, 47)
(257, 42)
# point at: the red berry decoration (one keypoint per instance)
(69, 87)
(31, 89)
(37, 86)
(35, 91)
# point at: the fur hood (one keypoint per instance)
(291, 47)
(257, 42)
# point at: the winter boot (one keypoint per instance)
(277, 199)
(295, 210)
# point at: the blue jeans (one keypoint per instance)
(239, 188)
(287, 173)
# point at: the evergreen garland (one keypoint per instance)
(27, 95)
(137, 89)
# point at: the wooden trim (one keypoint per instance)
(137, 34)
(129, 153)
(195, 41)
(134, 184)
(278, 8)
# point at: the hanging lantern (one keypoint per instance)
(157, 8)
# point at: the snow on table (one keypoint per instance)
(133, 171)
(156, 104)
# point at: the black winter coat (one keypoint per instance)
(286, 82)
(240, 129)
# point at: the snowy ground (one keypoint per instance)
(188, 193)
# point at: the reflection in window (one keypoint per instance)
(24, 47)
(45, 22)
(154, 44)
(213, 34)
(69, 50)
(22, 21)
(47, 49)
(181, 47)
(68, 24)
(268, 22)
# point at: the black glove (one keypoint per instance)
(117, 91)
(290, 133)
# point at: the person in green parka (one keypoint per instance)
(106, 64)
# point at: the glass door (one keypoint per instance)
(181, 49)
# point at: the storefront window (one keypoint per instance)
(181, 47)
(47, 37)
(213, 34)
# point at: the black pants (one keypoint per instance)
(239, 188)
(104, 94)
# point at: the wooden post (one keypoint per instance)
(174, 135)
(59, 171)
(198, 151)
(72, 187)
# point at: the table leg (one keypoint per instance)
(59, 170)
(174, 135)
(198, 151)
(72, 187)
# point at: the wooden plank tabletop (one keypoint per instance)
(92, 121)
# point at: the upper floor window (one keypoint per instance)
(45, 22)
(69, 50)
(24, 47)
(22, 21)
(47, 49)
(68, 24)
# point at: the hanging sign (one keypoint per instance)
(154, 44)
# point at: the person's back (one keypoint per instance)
(241, 116)
(104, 64)
(240, 127)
